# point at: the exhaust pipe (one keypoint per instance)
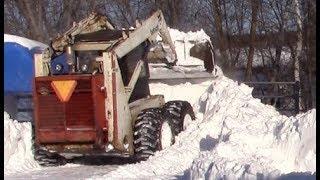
(71, 60)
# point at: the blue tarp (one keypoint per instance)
(18, 68)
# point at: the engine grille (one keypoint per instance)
(77, 112)
(80, 120)
(50, 112)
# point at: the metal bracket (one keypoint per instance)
(134, 79)
(115, 70)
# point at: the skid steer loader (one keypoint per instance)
(91, 94)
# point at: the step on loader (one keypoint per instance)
(91, 94)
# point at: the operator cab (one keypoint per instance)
(85, 62)
(82, 62)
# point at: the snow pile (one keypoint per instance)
(183, 42)
(18, 156)
(249, 138)
(234, 135)
(30, 44)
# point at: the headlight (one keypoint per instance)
(58, 67)
(84, 68)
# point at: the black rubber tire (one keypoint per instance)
(176, 111)
(45, 158)
(147, 133)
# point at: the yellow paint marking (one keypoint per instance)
(64, 89)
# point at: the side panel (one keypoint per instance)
(107, 72)
(117, 109)
(98, 96)
(123, 127)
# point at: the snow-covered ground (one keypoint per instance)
(233, 136)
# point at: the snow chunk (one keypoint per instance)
(198, 36)
(183, 42)
(30, 44)
(18, 156)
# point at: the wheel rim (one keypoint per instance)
(186, 121)
(166, 135)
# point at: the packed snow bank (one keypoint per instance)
(248, 138)
(234, 135)
(30, 44)
(18, 156)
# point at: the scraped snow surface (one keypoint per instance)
(28, 43)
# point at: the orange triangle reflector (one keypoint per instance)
(64, 89)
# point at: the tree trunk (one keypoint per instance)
(254, 10)
(221, 39)
(298, 48)
(276, 66)
(310, 43)
(27, 9)
(174, 6)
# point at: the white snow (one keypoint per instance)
(234, 135)
(184, 91)
(28, 43)
(18, 155)
(248, 137)
(183, 42)
(199, 36)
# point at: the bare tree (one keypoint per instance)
(221, 38)
(254, 12)
(310, 50)
(33, 12)
(43, 19)
(297, 17)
